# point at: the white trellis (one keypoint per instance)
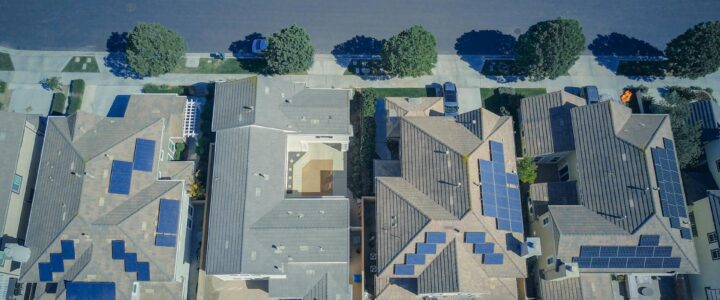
(191, 114)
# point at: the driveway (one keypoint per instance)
(30, 99)
(468, 99)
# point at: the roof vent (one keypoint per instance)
(474, 121)
(288, 100)
(248, 108)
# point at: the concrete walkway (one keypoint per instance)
(327, 72)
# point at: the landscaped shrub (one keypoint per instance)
(505, 90)
(3, 86)
(77, 90)
(57, 108)
(165, 89)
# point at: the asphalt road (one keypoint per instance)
(212, 25)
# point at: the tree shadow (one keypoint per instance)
(608, 49)
(116, 60)
(357, 46)
(474, 46)
(243, 48)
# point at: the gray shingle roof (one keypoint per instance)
(441, 276)
(566, 289)
(552, 193)
(613, 175)
(546, 124)
(234, 103)
(578, 220)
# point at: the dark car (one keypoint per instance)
(451, 104)
(590, 93)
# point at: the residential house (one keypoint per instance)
(705, 219)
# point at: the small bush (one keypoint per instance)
(165, 89)
(77, 91)
(3, 86)
(57, 108)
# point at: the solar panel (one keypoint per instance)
(404, 270)
(89, 290)
(143, 271)
(68, 249)
(626, 251)
(675, 223)
(493, 259)
(672, 200)
(144, 155)
(617, 262)
(649, 240)
(475, 237)
(168, 216)
(636, 262)
(130, 262)
(671, 262)
(589, 251)
(118, 249)
(165, 240)
(645, 251)
(599, 262)
(120, 177)
(584, 262)
(414, 259)
(500, 198)
(685, 233)
(435, 237)
(45, 272)
(608, 251)
(663, 251)
(513, 179)
(652, 262)
(484, 248)
(422, 248)
(56, 262)
(503, 224)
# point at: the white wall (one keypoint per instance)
(709, 269)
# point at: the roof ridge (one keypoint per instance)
(669, 232)
(156, 120)
(412, 203)
(432, 136)
(128, 203)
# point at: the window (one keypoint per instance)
(550, 260)
(189, 223)
(692, 224)
(171, 146)
(162, 155)
(715, 253)
(17, 182)
(554, 159)
(712, 237)
(545, 221)
(564, 173)
(717, 165)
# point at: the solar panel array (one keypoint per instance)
(168, 220)
(56, 263)
(667, 174)
(429, 247)
(120, 177)
(130, 262)
(649, 254)
(500, 191)
(144, 155)
(481, 247)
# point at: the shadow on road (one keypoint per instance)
(358, 45)
(476, 43)
(116, 60)
(244, 46)
(608, 49)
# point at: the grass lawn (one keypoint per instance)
(82, 64)
(227, 66)
(654, 68)
(365, 67)
(5, 95)
(404, 92)
(165, 89)
(493, 100)
(5, 62)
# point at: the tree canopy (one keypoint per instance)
(154, 50)
(549, 48)
(289, 51)
(527, 170)
(410, 53)
(686, 135)
(696, 52)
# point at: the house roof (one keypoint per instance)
(437, 191)
(254, 227)
(546, 124)
(552, 193)
(72, 205)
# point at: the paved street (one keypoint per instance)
(212, 26)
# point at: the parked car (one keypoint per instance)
(259, 45)
(450, 100)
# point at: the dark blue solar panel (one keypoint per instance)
(118, 249)
(503, 224)
(484, 248)
(435, 237)
(513, 179)
(636, 262)
(685, 233)
(584, 262)
(404, 270)
(144, 155)
(422, 248)
(645, 251)
(414, 259)
(617, 262)
(68, 249)
(589, 251)
(626, 251)
(493, 259)
(599, 262)
(45, 272)
(675, 223)
(498, 199)
(168, 216)
(131, 262)
(120, 177)
(83, 290)
(56, 262)
(475, 237)
(608, 251)
(165, 240)
(489, 210)
(663, 251)
(672, 200)
(649, 240)
(143, 271)
(671, 262)
(652, 262)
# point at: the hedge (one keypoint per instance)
(165, 89)
(3, 86)
(77, 90)
(57, 107)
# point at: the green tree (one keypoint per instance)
(154, 50)
(52, 84)
(410, 53)
(696, 52)
(686, 135)
(549, 48)
(289, 51)
(527, 170)
(368, 97)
